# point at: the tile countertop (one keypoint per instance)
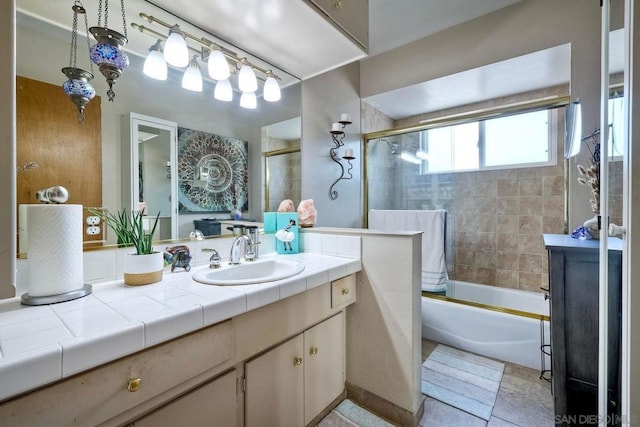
(43, 344)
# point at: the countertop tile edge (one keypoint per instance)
(30, 370)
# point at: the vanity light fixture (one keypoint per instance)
(176, 52)
(248, 100)
(154, 64)
(247, 81)
(221, 63)
(108, 53)
(337, 135)
(223, 91)
(77, 85)
(192, 79)
(271, 91)
(217, 64)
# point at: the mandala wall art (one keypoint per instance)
(213, 172)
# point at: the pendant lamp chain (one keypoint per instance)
(78, 9)
(106, 15)
(108, 53)
(77, 85)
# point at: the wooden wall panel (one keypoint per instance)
(67, 152)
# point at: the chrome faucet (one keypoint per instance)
(242, 245)
(214, 261)
(252, 232)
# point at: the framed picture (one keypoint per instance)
(213, 172)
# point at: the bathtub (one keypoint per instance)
(485, 327)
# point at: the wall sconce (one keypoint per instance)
(337, 135)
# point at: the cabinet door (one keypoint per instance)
(275, 386)
(213, 404)
(324, 369)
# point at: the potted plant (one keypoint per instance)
(144, 266)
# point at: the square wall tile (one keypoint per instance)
(312, 242)
(99, 265)
(348, 246)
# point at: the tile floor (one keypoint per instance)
(523, 400)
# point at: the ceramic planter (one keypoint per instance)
(143, 269)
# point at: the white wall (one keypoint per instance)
(519, 29)
(8, 157)
(324, 98)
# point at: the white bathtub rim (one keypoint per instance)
(498, 342)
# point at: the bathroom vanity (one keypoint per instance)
(280, 361)
(573, 282)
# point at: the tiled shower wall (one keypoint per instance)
(495, 218)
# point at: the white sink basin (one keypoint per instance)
(250, 272)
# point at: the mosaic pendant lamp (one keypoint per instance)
(77, 86)
(108, 53)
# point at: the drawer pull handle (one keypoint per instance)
(313, 351)
(297, 361)
(345, 291)
(134, 384)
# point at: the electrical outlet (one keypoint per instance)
(92, 230)
(93, 220)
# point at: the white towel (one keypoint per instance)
(431, 223)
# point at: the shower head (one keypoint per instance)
(394, 147)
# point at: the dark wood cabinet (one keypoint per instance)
(573, 282)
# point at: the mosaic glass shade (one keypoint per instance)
(108, 55)
(78, 88)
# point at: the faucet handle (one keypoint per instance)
(249, 254)
(214, 261)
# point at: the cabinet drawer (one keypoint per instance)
(191, 410)
(102, 393)
(343, 291)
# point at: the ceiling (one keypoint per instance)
(394, 23)
(289, 35)
(538, 70)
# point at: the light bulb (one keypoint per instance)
(192, 79)
(223, 91)
(218, 66)
(248, 100)
(422, 155)
(155, 66)
(176, 52)
(408, 157)
(271, 91)
(247, 81)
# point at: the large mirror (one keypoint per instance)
(151, 165)
(421, 141)
(282, 171)
(43, 49)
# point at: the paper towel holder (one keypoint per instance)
(55, 195)
(27, 299)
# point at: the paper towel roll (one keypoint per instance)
(55, 249)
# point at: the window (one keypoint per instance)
(513, 141)
(616, 119)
